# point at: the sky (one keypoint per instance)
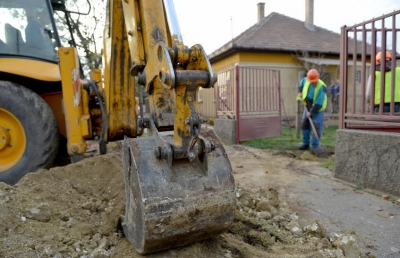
(213, 23)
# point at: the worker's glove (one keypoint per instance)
(299, 96)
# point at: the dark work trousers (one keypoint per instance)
(318, 120)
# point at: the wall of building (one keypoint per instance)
(226, 63)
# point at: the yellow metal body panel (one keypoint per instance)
(72, 101)
(96, 76)
(140, 28)
(85, 126)
(31, 68)
(154, 25)
(154, 28)
(182, 112)
(54, 100)
(12, 140)
(135, 38)
(119, 86)
(85, 123)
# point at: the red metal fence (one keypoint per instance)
(361, 108)
(251, 95)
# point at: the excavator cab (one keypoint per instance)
(28, 30)
(37, 28)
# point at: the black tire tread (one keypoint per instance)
(40, 128)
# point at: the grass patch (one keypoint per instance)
(288, 140)
(329, 165)
(359, 186)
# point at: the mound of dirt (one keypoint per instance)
(74, 211)
(68, 211)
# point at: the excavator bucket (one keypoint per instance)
(168, 205)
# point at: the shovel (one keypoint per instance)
(320, 150)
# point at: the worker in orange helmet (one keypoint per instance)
(388, 84)
(378, 57)
(313, 94)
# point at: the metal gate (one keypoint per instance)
(358, 109)
(251, 96)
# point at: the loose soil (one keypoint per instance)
(75, 211)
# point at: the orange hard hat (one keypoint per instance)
(379, 57)
(313, 75)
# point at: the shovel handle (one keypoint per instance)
(312, 125)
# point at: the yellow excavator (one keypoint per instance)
(178, 178)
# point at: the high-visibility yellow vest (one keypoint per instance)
(388, 87)
(320, 84)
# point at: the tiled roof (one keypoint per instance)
(277, 32)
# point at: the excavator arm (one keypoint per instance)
(179, 183)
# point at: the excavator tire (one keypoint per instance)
(168, 207)
(28, 132)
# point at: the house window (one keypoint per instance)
(358, 76)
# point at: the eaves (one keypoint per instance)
(214, 57)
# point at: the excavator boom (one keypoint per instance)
(179, 183)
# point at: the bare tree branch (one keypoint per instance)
(315, 61)
(85, 29)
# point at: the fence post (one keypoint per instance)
(299, 115)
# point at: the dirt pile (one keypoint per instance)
(74, 211)
(69, 211)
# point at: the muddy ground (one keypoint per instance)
(74, 211)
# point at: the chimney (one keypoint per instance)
(309, 23)
(260, 11)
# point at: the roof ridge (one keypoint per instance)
(238, 37)
(305, 26)
(254, 28)
(279, 32)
